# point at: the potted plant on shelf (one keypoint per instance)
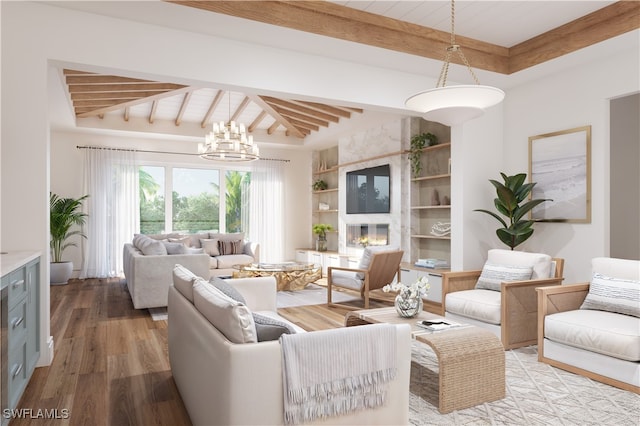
(510, 194)
(320, 185)
(418, 142)
(64, 214)
(321, 229)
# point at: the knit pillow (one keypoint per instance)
(268, 328)
(613, 295)
(210, 246)
(493, 275)
(227, 289)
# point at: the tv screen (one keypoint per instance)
(368, 190)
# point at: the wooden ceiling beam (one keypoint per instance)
(102, 79)
(126, 113)
(327, 108)
(302, 117)
(279, 118)
(301, 109)
(240, 108)
(133, 87)
(214, 104)
(257, 121)
(133, 102)
(274, 127)
(152, 113)
(303, 124)
(183, 107)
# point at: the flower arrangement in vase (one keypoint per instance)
(408, 301)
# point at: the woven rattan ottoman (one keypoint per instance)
(470, 359)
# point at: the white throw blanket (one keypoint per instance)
(333, 372)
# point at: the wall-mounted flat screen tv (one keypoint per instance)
(368, 190)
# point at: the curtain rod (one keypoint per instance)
(162, 152)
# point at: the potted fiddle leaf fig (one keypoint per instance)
(321, 229)
(65, 216)
(511, 194)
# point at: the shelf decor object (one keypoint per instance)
(451, 105)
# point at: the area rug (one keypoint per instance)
(537, 394)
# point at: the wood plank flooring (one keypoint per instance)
(111, 362)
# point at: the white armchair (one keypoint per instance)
(502, 296)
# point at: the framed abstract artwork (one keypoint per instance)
(560, 164)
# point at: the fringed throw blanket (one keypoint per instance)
(337, 371)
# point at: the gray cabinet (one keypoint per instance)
(20, 330)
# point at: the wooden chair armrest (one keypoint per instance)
(561, 298)
(459, 281)
(506, 285)
(340, 268)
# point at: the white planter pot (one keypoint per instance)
(59, 273)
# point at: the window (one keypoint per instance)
(195, 203)
(151, 199)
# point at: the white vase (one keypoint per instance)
(60, 272)
(408, 307)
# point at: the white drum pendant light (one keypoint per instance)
(451, 105)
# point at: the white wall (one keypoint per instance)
(577, 97)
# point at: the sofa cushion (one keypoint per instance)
(541, 263)
(613, 295)
(230, 247)
(482, 305)
(210, 246)
(186, 240)
(174, 248)
(367, 256)
(494, 274)
(230, 317)
(149, 247)
(227, 289)
(213, 262)
(183, 280)
(227, 261)
(602, 332)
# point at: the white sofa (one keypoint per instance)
(593, 329)
(225, 383)
(149, 260)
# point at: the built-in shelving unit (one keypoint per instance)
(325, 202)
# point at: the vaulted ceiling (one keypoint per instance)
(501, 37)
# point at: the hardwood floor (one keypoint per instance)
(111, 362)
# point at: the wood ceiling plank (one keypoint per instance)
(95, 103)
(183, 107)
(301, 109)
(333, 20)
(216, 100)
(151, 97)
(302, 117)
(605, 23)
(134, 87)
(327, 108)
(102, 79)
(279, 119)
(113, 96)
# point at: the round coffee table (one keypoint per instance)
(288, 275)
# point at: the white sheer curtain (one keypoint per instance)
(266, 217)
(111, 180)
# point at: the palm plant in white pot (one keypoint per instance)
(64, 214)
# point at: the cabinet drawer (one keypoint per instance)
(435, 287)
(17, 324)
(301, 256)
(17, 373)
(17, 286)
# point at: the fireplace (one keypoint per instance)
(367, 234)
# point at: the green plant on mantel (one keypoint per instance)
(510, 194)
(418, 142)
(320, 185)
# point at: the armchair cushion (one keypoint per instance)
(231, 317)
(541, 263)
(613, 295)
(597, 331)
(347, 279)
(367, 255)
(482, 305)
(494, 274)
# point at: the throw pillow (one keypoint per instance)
(613, 295)
(268, 328)
(227, 289)
(231, 318)
(174, 248)
(492, 275)
(210, 246)
(183, 280)
(186, 240)
(149, 247)
(230, 247)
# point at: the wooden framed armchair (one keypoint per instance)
(510, 309)
(377, 268)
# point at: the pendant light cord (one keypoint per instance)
(442, 79)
